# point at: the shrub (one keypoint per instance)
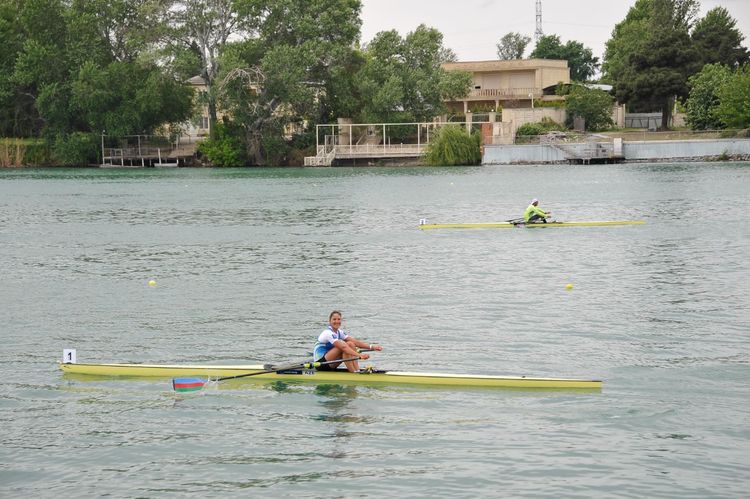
(530, 129)
(452, 146)
(224, 149)
(594, 106)
(544, 126)
(76, 149)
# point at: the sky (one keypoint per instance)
(472, 28)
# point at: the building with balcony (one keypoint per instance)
(508, 84)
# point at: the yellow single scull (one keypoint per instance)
(509, 225)
(337, 376)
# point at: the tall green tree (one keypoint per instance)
(402, 79)
(281, 79)
(512, 46)
(718, 40)
(581, 61)
(703, 102)
(124, 98)
(657, 72)
(208, 26)
(34, 59)
(628, 37)
(734, 97)
(72, 68)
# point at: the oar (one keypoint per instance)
(195, 384)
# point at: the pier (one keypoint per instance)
(146, 151)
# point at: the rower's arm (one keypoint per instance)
(346, 348)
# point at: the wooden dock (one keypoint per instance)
(142, 153)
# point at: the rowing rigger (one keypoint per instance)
(307, 373)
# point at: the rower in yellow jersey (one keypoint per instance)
(534, 214)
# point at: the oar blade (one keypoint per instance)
(188, 384)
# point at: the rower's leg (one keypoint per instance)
(332, 354)
(352, 365)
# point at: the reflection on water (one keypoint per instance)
(336, 400)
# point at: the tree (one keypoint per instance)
(593, 105)
(208, 25)
(71, 68)
(281, 79)
(451, 145)
(703, 101)
(36, 33)
(402, 79)
(718, 40)
(125, 98)
(628, 37)
(583, 65)
(657, 72)
(734, 97)
(512, 46)
(115, 30)
(322, 32)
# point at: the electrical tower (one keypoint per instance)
(538, 33)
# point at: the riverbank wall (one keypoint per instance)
(632, 151)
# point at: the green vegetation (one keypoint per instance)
(222, 149)
(24, 152)
(401, 79)
(544, 126)
(734, 99)
(718, 40)
(582, 63)
(452, 146)
(719, 98)
(512, 46)
(703, 100)
(593, 105)
(659, 45)
(70, 70)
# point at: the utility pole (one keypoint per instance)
(538, 33)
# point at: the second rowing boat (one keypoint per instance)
(510, 225)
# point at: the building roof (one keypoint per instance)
(197, 80)
(505, 65)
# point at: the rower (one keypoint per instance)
(334, 344)
(534, 214)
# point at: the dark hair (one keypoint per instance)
(331, 315)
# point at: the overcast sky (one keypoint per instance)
(472, 28)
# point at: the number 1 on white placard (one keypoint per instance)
(69, 356)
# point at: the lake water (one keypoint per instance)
(248, 264)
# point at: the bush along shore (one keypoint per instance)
(25, 152)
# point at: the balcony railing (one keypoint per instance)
(505, 93)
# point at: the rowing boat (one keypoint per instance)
(336, 376)
(510, 225)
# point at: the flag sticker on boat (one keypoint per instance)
(187, 384)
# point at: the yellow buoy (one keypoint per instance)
(568, 286)
(152, 283)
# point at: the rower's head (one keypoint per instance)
(535, 201)
(335, 319)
